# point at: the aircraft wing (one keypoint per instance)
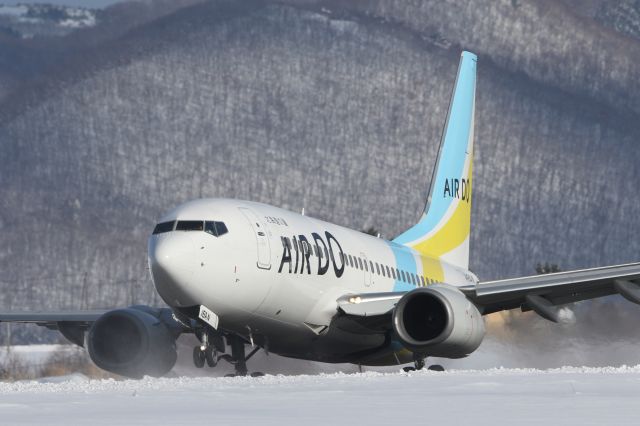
(52, 318)
(542, 293)
(72, 324)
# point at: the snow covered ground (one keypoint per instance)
(585, 396)
(471, 392)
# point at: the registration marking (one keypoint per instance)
(208, 316)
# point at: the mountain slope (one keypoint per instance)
(335, 109)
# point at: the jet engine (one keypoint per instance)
(438, 321)
(133, 342)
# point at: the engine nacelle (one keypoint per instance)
(438, 321)
(132, 342)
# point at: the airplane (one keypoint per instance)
(243, 275)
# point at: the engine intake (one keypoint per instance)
(438, 321)
(132, 342)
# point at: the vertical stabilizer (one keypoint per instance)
(444, 228)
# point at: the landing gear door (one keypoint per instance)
(262, 239)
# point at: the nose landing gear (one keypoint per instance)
(207, 353)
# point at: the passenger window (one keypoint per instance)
(366, 267)
(371, 264)
(360, 263)
(404, 278)
(383, 274)
(422, 280)
(393, 273)
(377, 268)
(387, 268)
(190, 225)
(163, 227)
(350, 260)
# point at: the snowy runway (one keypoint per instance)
(582, 396)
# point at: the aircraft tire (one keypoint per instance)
(198, 357)
(211, 356)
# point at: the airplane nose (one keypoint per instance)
(170, 259)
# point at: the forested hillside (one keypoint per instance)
(336, 107)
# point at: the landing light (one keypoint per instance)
(356, 299)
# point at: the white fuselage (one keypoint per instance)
(266, 280)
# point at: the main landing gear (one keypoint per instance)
(418, 362)
(207, 353)
(238, 358)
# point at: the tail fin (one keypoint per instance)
(444, 228)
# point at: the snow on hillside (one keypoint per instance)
(585, 396)
(29, 20)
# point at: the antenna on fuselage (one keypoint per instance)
(303, 211)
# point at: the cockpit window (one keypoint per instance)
(221, 228)
(210, 228)
(163, 227)
(189, 225)
(216, 229)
